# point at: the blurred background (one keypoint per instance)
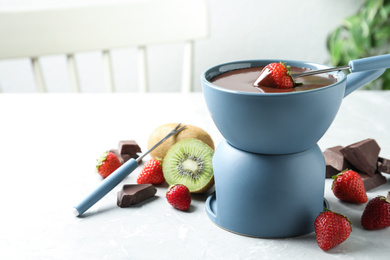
(238, 30)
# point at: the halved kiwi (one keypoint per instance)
(189, 162)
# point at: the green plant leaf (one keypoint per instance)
(366, 33)
(385, 10)
(386, 80)
(381, 36)
(371, 10)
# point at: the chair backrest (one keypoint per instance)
(38, 32)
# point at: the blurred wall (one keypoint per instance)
(244, 29)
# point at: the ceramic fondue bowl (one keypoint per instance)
(277, 123)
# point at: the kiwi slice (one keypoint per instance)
(189, 162)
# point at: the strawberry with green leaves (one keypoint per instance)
(348, 186)
(275, 75)
(179, 197)
(107, 164)
(376, 215)
(151, 173)
(331, 229)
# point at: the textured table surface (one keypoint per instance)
(49, 144)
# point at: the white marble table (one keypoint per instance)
(48, 147)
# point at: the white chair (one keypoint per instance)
(35, 33)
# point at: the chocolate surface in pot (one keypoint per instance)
(243, 79)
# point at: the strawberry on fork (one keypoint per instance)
(275, 75)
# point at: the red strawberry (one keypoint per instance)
(348, 186)
(275, 75)
(331, 229)
(376, 215)
(179, 197)
(151, 173)
(107, 164)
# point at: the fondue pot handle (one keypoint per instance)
(365, 70)
(359, 79)
(370, 63)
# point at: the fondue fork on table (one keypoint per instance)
(116, 177)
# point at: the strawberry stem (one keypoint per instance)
(350, 224)
(100, 161)
(384, 198)
(288, 73)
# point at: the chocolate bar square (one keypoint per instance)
(131, 194)
(335, 161)
(371, 182)
(128, 147)
(383, 165)
(127, 157)
(363, 155)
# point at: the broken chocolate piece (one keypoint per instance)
(371, 182)
(129, 147)
(131, 194)
(363, 155)
(383, 165)
(120, 157)
(127, 157)
(335, 161)
(123, 157)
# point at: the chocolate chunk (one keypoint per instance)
(123, 157)
(363, 155)
(388, 195)
(120, 157)
(127, 157)
(383, 165)
(371, 182)
(335, 161)
(131, 194)
(128, 147)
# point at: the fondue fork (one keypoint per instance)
(365, 64)
(116, 177)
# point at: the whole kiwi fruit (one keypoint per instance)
(190, 132)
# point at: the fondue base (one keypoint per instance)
(268, 196)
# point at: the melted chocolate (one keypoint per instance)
(243, 79)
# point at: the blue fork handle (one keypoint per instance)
(370, 63)
(106, 186)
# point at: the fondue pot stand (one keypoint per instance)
(267, 195)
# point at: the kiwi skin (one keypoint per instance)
(190, 132)
(170, 165)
